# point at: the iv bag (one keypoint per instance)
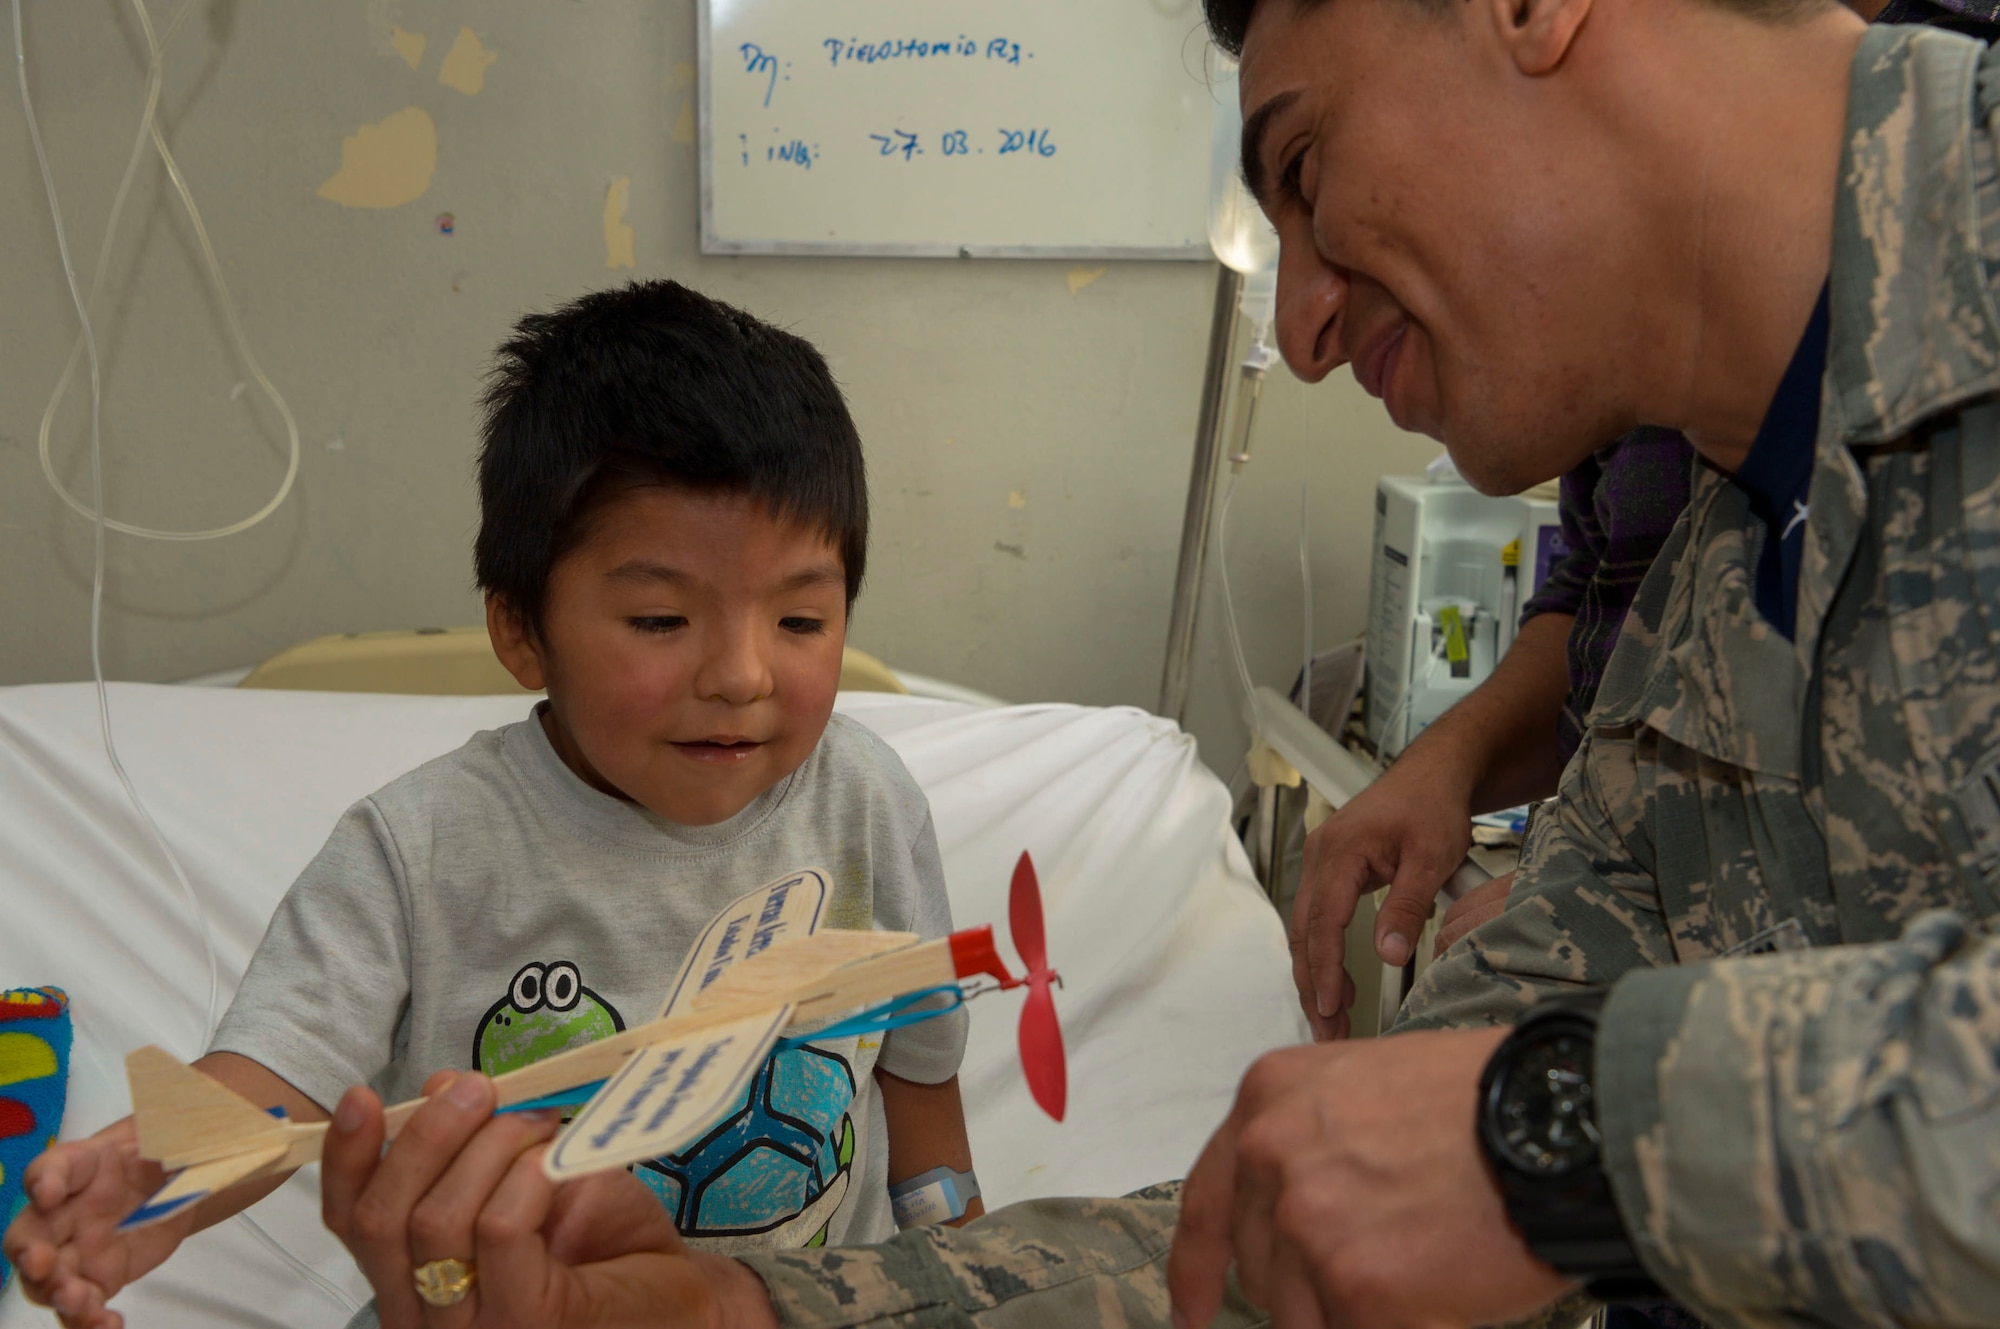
(1237, 228)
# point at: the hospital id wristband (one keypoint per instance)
(937, 1196)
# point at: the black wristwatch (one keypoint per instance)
(1538, 1130)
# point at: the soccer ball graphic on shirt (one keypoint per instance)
(776, 1166)
(769, 1173)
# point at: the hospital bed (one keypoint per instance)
(1174, 964)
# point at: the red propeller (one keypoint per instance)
(1042, 1059)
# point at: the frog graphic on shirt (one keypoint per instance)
(547, 1010)
(770, 1173)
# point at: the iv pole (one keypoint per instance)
(1200, 497)
(1247, 250)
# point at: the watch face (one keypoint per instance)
(1547, 1123)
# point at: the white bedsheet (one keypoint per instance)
(1174, 966)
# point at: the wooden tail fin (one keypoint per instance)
(184, 1117)
(194, 1184)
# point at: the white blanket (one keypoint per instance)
(1174, 967)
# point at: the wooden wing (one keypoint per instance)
(790, 907)
(666, 1095)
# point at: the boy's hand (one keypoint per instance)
(65, 1243)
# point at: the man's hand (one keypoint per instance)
(1410, 829)
(1348, 1187)
(1488, 900)
(461, 1183)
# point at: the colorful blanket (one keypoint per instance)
(34, 1080)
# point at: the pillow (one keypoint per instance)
(34, 1079)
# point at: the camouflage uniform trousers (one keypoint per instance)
(1089, 1262)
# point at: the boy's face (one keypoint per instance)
(690, 648)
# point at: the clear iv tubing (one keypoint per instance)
(148, 128)
(1228, 596)
(87, 342)
(1306, 596)
(87, 345)
(1249, 387)
(1410, 691)
(1229, 599)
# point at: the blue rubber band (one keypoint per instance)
(889, 1015)
(576, 1097)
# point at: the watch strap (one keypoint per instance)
(1572, 1222)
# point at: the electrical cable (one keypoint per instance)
(86, 346)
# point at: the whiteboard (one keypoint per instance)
(954, 128)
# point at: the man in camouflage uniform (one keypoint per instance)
(1811, 1133)
(1809, 1136)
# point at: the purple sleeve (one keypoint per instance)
(1583, 537)
(1623, 503)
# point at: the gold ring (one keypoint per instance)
(445, 1282)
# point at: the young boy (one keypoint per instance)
(673, 528)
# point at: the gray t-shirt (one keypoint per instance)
(489, 909)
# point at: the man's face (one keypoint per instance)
(1438, 227)
(691, 650)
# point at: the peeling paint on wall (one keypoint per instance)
(1080, 277)
(409, 45)
(465, 65)
(1017, 498)
(617, 234)
(386, 165)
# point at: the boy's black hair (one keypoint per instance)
(649, 384)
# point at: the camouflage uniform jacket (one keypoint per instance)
(1811, 1137)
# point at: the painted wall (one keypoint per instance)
(1029, 424)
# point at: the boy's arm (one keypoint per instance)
(266, 1089)
(926, 1130)
(66, 1242)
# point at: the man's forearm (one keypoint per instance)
(1051, 1261)
(738, 1297)
(1808, 1137)
(1501, 740)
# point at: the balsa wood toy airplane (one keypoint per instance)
(761, 969)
